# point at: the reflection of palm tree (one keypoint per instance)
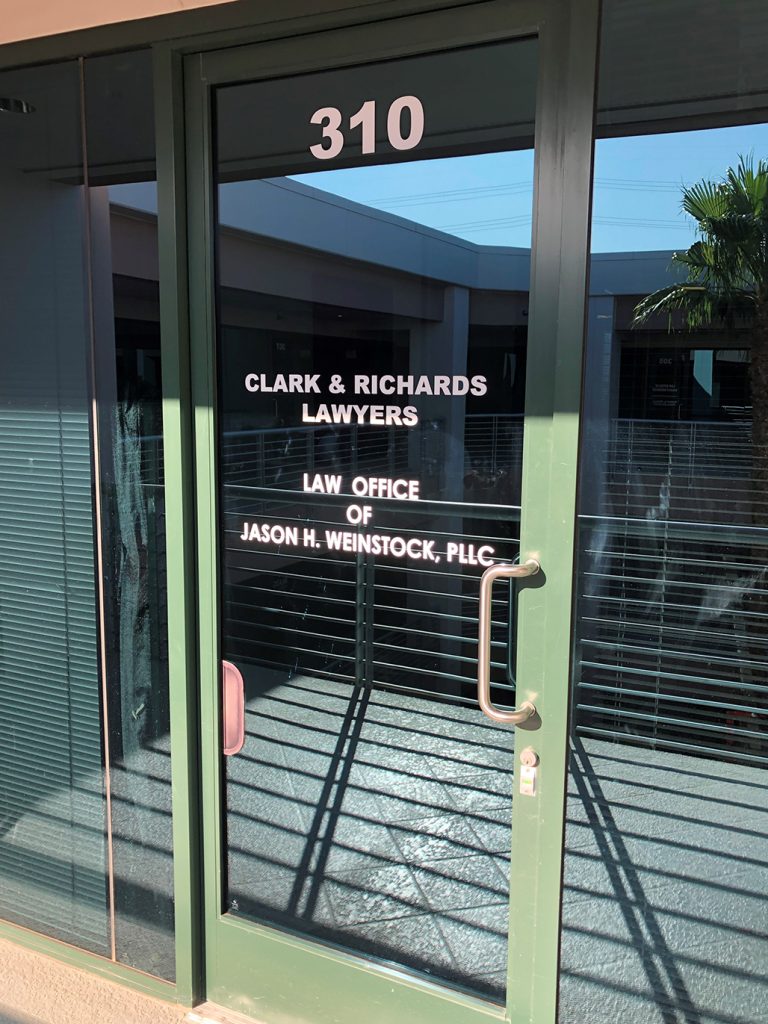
(727, 279)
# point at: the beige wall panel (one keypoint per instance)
(20, 19)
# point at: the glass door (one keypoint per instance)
(365, 261)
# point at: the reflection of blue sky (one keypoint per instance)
(487, 199)
(638, 183)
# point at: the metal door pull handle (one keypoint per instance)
(497, 572)
(232, 708)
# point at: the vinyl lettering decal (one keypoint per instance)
(326, 405)
(405, 127)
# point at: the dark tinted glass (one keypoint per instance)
(53, 847)
(123, 195)
(85, 826)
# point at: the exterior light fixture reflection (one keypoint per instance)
(8, 105)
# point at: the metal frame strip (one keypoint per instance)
(180, 524)
(557, 312)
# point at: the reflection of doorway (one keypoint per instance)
(682, 382)
(366, 817)
(138, 692)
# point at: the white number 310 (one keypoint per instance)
(333, 137)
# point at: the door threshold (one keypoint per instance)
(212, 1013)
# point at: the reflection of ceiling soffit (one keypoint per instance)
(498, 308)
(703, 339)
(64, 175)
(134, 243)
(495, 262)
(673, 329)
(238, 309)
(103, 174)
(374, 248)
(253, 264)
(293, 213)
(494, 268)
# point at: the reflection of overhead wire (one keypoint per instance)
(499, 223)
(643, 222)
(640, 185)
(454, 194)
(515, 188)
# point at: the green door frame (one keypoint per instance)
(303, 970)
(568, 34)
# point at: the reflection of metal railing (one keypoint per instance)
(398, 623)
(672, 621)
(672, 636)
(152, 460)
(493, 443)
(702, 471)
(278, 456)
(699, 459)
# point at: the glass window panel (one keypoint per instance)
(53, 853)
(666, 868)
(123, 193)
(84, 752)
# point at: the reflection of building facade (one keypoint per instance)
(671, 440)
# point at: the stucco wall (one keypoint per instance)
(24, 20)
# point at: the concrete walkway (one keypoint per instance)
(35, 989)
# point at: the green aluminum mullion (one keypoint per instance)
(180, 536)
(559, 269)
(201, 239)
